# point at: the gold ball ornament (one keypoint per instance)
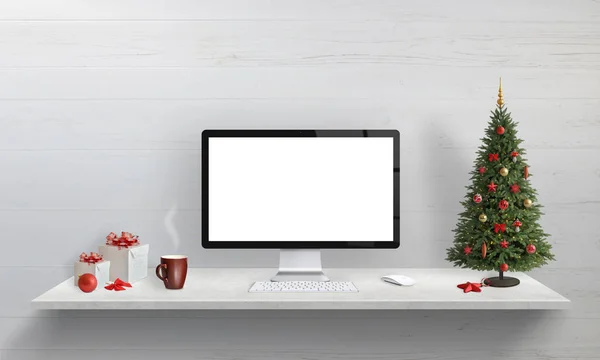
(504, 171)
(527, 203)
(483, 217)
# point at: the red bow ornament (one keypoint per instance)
(493, 157)
(499, 227)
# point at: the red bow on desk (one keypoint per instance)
(118, 285)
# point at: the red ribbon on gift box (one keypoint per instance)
(92, 258)
(126, 240)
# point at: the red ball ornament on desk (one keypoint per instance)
(503, 204)
(500, 130)
(504, 267)
(530, 249)
(477, 198)
(87, 283)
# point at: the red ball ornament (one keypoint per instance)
(500, 130)
(477, 198)
(87, 283)
(482, 170)
(530, 249)
(504, 267)
(503, 204)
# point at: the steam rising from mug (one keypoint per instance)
(170, 226)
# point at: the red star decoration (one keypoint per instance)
(514, 154)
(469, 286)
(514, 188)
(493, 157)
(492, 187)
(504, 244)
(481, 170)
(468, 250)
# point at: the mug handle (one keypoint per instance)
(159, 272)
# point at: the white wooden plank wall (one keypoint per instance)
(101, 108)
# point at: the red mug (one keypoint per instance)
(172, 270)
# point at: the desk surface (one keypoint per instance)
(227, 288)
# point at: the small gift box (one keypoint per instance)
(92, 264)
(128, 258)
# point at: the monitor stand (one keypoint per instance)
(300, 265)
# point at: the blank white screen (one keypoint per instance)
(300, 189)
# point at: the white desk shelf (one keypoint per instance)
(228, 289)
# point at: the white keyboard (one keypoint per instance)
(303, 286)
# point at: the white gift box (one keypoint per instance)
(101, 270)
(128, 264)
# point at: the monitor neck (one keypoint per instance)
(300, 265)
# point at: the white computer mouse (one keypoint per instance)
(399, 280)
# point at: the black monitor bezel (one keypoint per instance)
(206, 134)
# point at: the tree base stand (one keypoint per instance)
(502, 281)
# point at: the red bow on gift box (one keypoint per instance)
(92, 258)
(124, 241)
(118, 285)
(499, 227)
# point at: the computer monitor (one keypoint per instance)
(300, 191)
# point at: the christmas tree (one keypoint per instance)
(499, 229)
